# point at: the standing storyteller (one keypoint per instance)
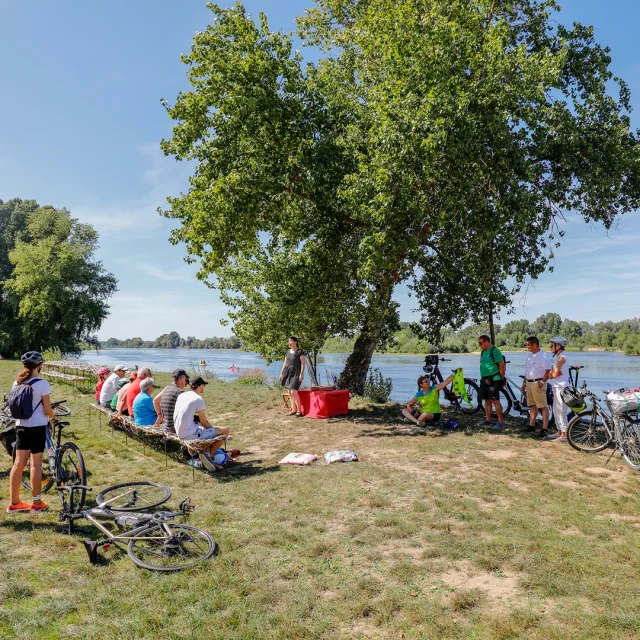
(492, 372)
(292, 374)
(31, 433)
(536, 373)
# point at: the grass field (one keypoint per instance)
(490, 536)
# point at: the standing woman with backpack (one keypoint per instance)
(30, 405)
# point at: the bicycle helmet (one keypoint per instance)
(559, 340)
(32, 359)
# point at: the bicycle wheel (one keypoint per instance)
(505, 402)
(47, 478)
(134, 496)
(62, 410)
(473, 393)
(170, 547)
(71, 470)
(588, 432)
(630, 442)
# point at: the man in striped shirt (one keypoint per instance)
(165, 401)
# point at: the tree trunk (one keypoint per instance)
(492, 329)
(354, 375)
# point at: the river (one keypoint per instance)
(603, 369)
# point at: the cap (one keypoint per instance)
(177, 373)
(197, 381)
(120, 367)
(122, 382)
(102, 370)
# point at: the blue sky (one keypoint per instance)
(81, 121)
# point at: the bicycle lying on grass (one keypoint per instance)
(154, 542)
(432, 369)
(593, 429)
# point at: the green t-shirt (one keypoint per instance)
(489, 359)
(429, 402)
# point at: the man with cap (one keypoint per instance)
(165, 401)
(110, 386)
(188, 405)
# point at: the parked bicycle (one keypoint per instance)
(8, 422)
(432, 369)
(62, 464)
(594, 429)
(153, 542)
(512, 397)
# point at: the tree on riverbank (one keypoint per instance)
(53, 293)
(435, 143)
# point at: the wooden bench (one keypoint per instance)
(64, 377)
(128, 425)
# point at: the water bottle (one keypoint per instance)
(335, 382)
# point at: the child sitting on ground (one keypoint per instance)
(427, 399)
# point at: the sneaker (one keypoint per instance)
(207, 461)
(552, 436)
(542, 433)
(562, 439)
(422, 423)
(21, 506)
(529, 428)
(194, 462)
(485, 423)
(36, 508)
(499, 426)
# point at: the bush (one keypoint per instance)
(377, 388)
(253, 376)
(208, 374)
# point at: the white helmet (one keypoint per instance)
(560, 341)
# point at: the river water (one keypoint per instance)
(602, 369)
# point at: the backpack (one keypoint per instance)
(21, 400)
(494, 359)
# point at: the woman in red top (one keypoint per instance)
(102, 374)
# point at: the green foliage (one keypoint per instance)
(174, 341)
(253, 376)
(377, 388)
(53, 293)
(434, 142)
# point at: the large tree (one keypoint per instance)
(53, 293)
(436, 142)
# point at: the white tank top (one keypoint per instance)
(564, 378)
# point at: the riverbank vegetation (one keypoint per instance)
(615, 336)
(53, 292)
(494, 537)
(173, 340)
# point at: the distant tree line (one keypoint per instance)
(174, 341)
(620, 336)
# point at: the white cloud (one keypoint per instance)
(161, 274)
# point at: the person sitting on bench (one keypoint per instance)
(188, 405)
(427, 399)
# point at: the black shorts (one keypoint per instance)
(490, 388)
(436, 416)
(31, 439)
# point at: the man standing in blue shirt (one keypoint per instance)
(492, 372)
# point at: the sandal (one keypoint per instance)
(291, 413)
(299, 415)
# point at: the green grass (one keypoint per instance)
(490, 536)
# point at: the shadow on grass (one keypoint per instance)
(376, 415)
(241, 470)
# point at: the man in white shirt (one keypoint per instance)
(110, 386)
(536, 374)
(188, 405)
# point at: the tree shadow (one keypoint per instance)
(242, 470)
(375, 416)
